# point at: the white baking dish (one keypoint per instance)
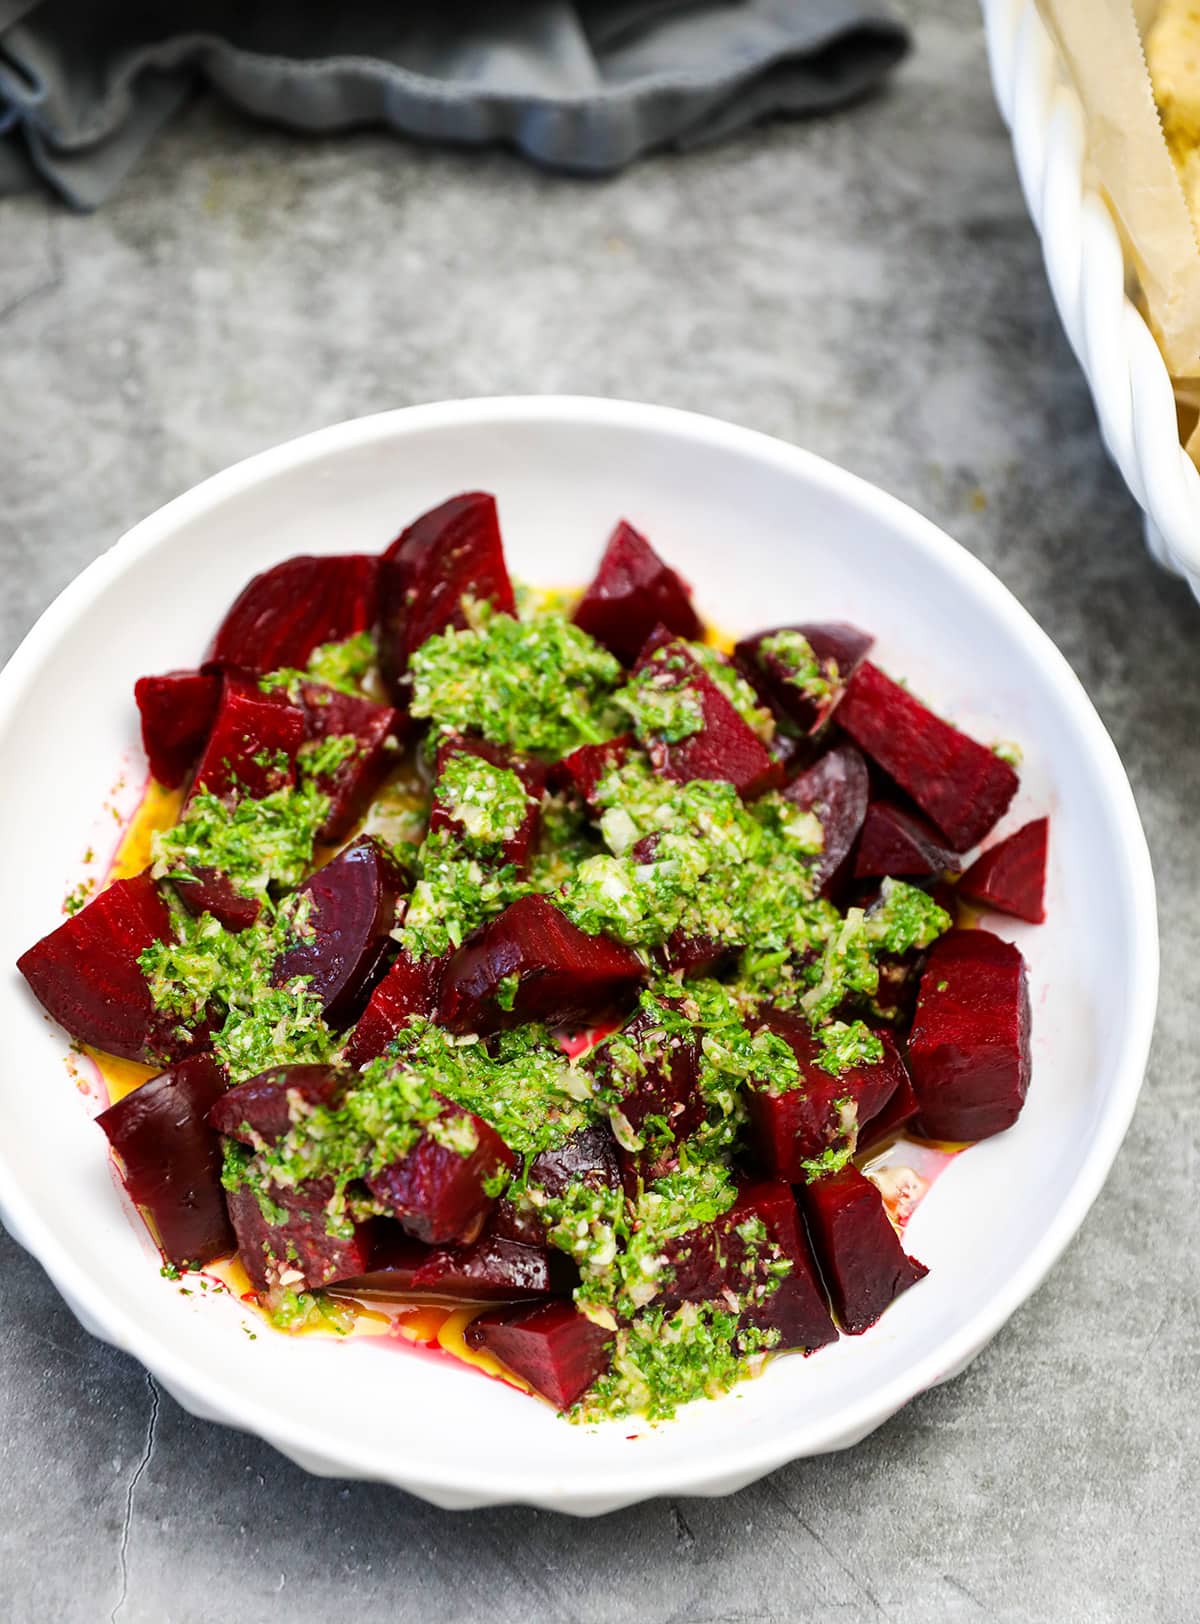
(1088, 278)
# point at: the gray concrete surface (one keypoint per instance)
(867, 286)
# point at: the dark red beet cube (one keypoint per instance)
(346, 937)
(409, 988)
(561, 975)
(664, 1106)
(1011, 875)
(796, 1126)
(897, 842)
(299, 1252)
(86, 974)
(252, 747)
(894, 1118)
(588, 1157)
(864, 1265)
(715, 1259)
(725, 747)
(292, 608)
(553, 1347)
(450, 553)
(438, 1194)
(956, 781)
(208, 891)
(836, 787)
(260, 1109)
(533, 775)
(171, 1159)
(328, 713)
(584, 769)
(633, 592)
(839, 648)
(968, 1050)
(493, 1270)
(177, 711)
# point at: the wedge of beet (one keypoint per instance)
(894, 1118)
(837, 789)
(298, 1253)
(450, 553)
(436, 1193)
(956, 781)
(291, 609)
(533, 775)
(171, 1159)
(864, 1265)
(897, 842)
(177, 711)
(839, 648)
(661, 1105)
(552, 1346)
(733, 1255)
(725, 747)
(1011, 875)
(409, 988)
(968, 1050)
(584, 769)
(491, 1271)
(208, 891)
(252, 747)
(531, 963)
(822, 1112)
(329, 713)
(262, 1109)
(633, 592)
(346, 938)
(588, 1157)
(86, 975)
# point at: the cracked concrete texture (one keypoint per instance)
(868, 286)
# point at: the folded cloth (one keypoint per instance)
(578, 85)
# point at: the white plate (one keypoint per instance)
(766, 533)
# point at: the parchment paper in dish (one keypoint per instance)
(1101, 44)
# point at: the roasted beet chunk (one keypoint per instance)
(177, 711)
(720, 744)
(519, 848)
(588, 1157)
(956, 781)
(968, 1051)
(660, 1104)
(208, 891)
(801, 672)
(823, 1111)
(633, 592)
(436, 1191)
(294, 607)
(897, 842)
(836, 788)
(86, 974)
(260, 1110)
(864, 1265)
(738, 1253)
(409, 988)
(494, 1270)
(171, 1159)
(1011, 875)
(450, 553)
(350, 784)
(298, 1251)
(553, 1347)
(531, 963)
(895, 1116)
(346, 936)
(252, 747)
(584, 769)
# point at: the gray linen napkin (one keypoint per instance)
(579, 85)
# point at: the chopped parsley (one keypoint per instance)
(792, 655)
(255, 843)
(488, 803)
(344, 666)
(665, 1360)
(540, 685)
